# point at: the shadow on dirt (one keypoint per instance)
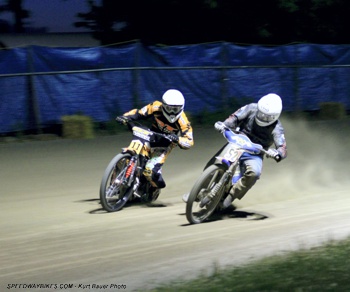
(232, 213)
(243, 215)
(138, 203)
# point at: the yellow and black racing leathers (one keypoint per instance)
(160, 151)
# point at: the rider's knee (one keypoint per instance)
(252, 175)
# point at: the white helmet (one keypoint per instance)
(173, 105)
(269, 109)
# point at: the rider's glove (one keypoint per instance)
(273, 153)
(122, 120)
(220, 126)
(174, 138)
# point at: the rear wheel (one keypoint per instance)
(114, 193)
(204, 184)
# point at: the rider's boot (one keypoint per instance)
(185, 197)
(154, 193)
(227, 202)
(229, 199)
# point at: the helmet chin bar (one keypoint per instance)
(263, 123)
(171, 118)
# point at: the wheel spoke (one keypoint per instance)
(201, 189)
(113, 194)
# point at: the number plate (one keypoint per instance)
(231, 154)
(142, 133)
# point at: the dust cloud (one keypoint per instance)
(318, 160)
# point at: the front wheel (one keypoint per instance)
(114, 193)
(204, 184)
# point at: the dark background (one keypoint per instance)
(313, 33)
(270, 22)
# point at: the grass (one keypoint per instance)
(325, 268)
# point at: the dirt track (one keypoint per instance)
(52, 230)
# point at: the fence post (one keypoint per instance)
(223, 83)
(136, 76)
(297, 105)
(33, 99)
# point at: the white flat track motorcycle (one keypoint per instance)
(221, 172)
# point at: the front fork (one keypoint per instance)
(231, 158)
(225, 181)
(125, 178)
(133, 174)
(222, 183)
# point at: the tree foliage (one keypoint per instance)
(16, 8)
(196, 21)
(239, 21)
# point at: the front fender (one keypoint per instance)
(214, 160)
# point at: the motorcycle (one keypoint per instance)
(222, 171)
(123, 180)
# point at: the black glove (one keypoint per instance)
(173, 137)
(122, 120)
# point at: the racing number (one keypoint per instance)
(136, 145)
(231, 155)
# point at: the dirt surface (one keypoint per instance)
(52, 230)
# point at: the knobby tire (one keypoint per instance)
(206, 181)
(115, 167)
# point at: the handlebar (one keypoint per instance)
(130, 123)
(277, 158)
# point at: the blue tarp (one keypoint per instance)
(39, 85)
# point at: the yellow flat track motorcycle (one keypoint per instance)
(123, 179)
